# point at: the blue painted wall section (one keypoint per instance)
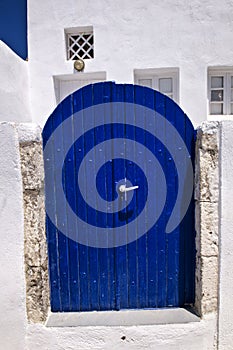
(154, 271)
(13, 25)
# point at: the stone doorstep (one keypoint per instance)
(121, 318)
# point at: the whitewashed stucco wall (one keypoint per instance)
(14, 86)
(226, 238)
(191, 35)
(12, 286)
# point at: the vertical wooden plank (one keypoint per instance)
(51, 231)
(162, 272)
(94, 252)
(110, 189)
(78, 104)
(121, 272)
(132, 206)
(70, 175)
(152, 234)
(173, 237)
(189, 230)
(142, 227)
(107, 255)
(180, 126)
(89, 141)
(54, 273)
(61, 220)
(90, 162)
(102, 218)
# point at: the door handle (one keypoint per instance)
(124, 189)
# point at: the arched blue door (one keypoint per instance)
(120, 214)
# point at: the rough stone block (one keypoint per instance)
(206, 167)
(209, 176)
(207, 228)
(36, 296)
(206, 285)
(209, 305)
(36, 256)
(35, 251)
(32, 165)
(209, 277)
(34, 227)
(207, 217)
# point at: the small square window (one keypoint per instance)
(80, 43)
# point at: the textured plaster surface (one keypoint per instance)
(12, 286)
(190, 336)
(36, 261)
(207, 217)
(226, 239)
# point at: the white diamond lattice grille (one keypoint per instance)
(80, 46)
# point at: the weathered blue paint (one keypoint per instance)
(156, 270)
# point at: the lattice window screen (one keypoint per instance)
(80, 45)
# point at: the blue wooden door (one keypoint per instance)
(120, 214)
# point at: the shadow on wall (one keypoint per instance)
(14, 87)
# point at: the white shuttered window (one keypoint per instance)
(68, 83)
(220, 91)
(165, 80)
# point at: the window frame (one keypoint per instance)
(160, 73)
(226, 73)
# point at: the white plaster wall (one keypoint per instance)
(190, 336)
(226, 239)
(14, 86)
(12, 286)
(131, 35)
